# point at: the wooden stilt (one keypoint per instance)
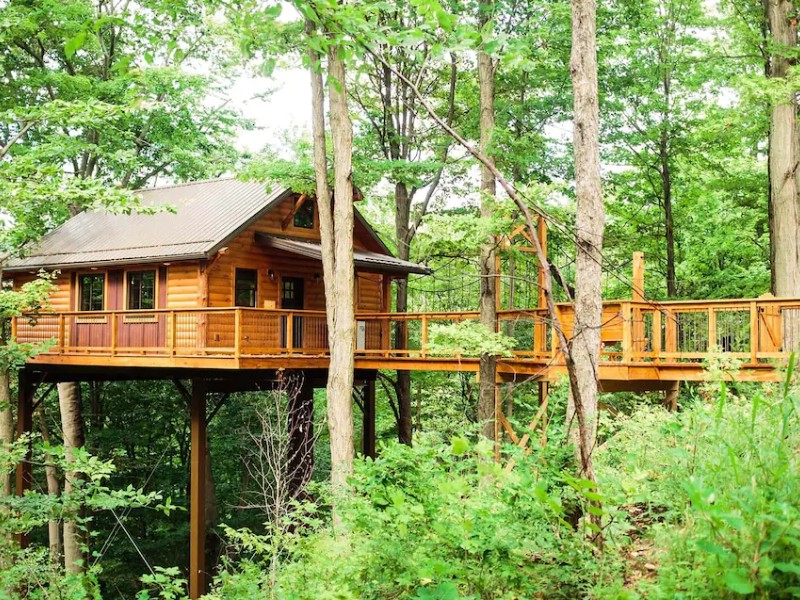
(368, 441)
(25, 394)
(671, 396)
(197, 498)
(300, 453)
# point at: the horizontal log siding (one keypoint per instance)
(244, 253)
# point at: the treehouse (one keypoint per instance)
(225, 289)
(225, 269)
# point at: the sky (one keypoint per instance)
(276, 105)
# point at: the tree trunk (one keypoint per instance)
(666, 188)
(54, 490)
(69, 400)
(6, 439)
(6, 426)
(336, 237)
(340, 303)
(403, 233)
(488, 309)
(590, 221)
(784, 156)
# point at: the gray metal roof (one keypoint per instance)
(208, 214)
(364, 260)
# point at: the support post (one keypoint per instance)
(368, 435)
(671, 396)
(541, 232)
(197, 492)
(25, 392)
(638, 276)
(300, 451)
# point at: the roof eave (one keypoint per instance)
(106, 263)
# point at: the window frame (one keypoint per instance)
(127, 295)
(104, 291)
(307, 203)
(236, 287)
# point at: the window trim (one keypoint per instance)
(236, 287)
(314, 218)
(79, 290)
(126, 296)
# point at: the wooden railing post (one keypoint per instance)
(114, 333)
(712, 329)
(237, 332)
(14, 328)
(656, 335)
(627, 333)
(290, 333)
(753, 332)
(62, 333)
(423, 346)
(173, 333)
(386, 335)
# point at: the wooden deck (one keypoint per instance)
(642, 341)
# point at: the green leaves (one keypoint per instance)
(459, 446)
(74, 44)
(738, 580)
(468, 338)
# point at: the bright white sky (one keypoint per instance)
(276, 105)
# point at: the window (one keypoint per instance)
(142, 290)
(92, 288)
(304, 216)
(246, 287)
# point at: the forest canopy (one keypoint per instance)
(557, 408)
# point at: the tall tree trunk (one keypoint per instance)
(488, 309)
(784, 156)
(590, 221)
(403, 233)
(69, 400)
(6, 439)
(336, 237)
(666, 189)
(53, 489)
(341, 302)
(6, 425)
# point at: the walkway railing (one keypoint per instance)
(753, 331)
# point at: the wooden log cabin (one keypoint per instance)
(225, 290)
(151, 285)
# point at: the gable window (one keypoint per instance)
(92, 289)
(246, 287)
(141, 290)
(304, 216)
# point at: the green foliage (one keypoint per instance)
(101, 98)
(722, 478)
(164, 583)
(468, 338)
(436, 521)
(91, 495)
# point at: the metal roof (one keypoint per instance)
(207, 215)
(364, 260)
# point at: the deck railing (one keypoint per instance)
(632, 332)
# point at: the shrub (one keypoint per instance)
(436, 521)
